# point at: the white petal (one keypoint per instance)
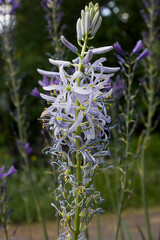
(76, 123)
(102, 50)
(48, 73)
(59, 62)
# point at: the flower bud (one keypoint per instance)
(139, 45)
(90, 22)
(118, 48)
(79, 30)
(68, 219)
(87, 23)
(69, 45)
(144, 54)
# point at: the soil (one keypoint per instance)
(132, 218)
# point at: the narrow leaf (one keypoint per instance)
(141, 233)
(127, 231)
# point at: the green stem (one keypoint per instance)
(98, 227)
(110, 191)
(22, 137)
(78, 155)
(28, 217)
(124, 184)
(149, 125)
(142, 157)
(36, 199)
(144, 195)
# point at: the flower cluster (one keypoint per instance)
(9, 7)
(92, 116)
(89, 23)
(127, 119)
(128, 63)
(55, 29)
(136, 51)
(78, 118)
(7, 13)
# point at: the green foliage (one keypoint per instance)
(153, 179)
(43, 179)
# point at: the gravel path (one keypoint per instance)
(131, 218)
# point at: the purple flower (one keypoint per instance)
(1, 170)
(139, 45)
(35, 92)
(144, 54)
(28, 148)
(118, 88)
(147, 3)
(11, 171)
(119, 49)
(44, 83)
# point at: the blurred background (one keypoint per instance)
(122, 22)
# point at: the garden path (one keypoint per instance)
(131, 218)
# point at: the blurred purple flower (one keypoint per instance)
(120, 59)
(35, 92)
(119, 49)
(144, 16)
(11, 171)
(59, 16)
(118, 88)
(13, 3)
(147, 3)
(1, 170)
(44, 82)
(144, 54)
(28, 148)
(139, 45)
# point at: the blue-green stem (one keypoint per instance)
(21, 136)
(125, 173)
(78, 155)
(110, 191)
(150, 95)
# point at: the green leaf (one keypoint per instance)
(141, 233)
(122, 235)
(127, 231)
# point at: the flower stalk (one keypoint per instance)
(78, 119)
(151, 86)
(14, 83)
(127, 143)
(78, 154)
(5, 213)
(127, 124)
